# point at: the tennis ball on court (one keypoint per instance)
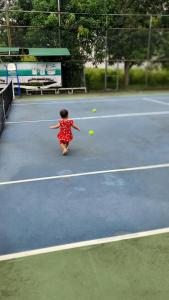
(94, 110)
(91, 132)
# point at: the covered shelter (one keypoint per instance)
(38, 52)
(40, 69)
(41, 66)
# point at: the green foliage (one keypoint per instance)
(25, 4)
(82, 32)
(85, 30)
(69, 22)
(44, 5)
(51, 20)
(27, 58)
(156, 78)
(94, 78)
(137, 76)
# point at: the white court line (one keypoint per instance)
(84, 244)
(155, 101)
(78, 101)
(153, 113)
(56, 177)
(81, 100)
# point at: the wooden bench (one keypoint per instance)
(71, 89)
(30, 91)
(56, 91)
(52, 90)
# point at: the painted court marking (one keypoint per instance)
(155, 101)
(92, 99)
(78, 101)
(84, 244)
(153, 113)
(141, 168)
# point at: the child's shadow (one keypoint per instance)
(76, 152)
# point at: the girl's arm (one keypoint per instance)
(55, 126)
(76, 127)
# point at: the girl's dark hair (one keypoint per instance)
(63, 113)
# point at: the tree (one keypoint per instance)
(88, 33)
(131, 45)
(5, 31)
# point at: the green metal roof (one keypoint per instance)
(49, 51)
(6, 51)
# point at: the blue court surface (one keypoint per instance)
(114, 182)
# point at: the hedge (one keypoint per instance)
(156, 78)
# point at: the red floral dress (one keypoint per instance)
(65, 134)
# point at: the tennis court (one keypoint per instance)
(111, 186)
(112, 183)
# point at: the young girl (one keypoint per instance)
(65, 134)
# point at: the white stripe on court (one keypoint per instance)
(78, 101)
(84, 244)
(92, 99)
(154, 113)
(155, 101)
(141, 168)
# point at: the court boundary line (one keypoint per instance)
(143, 114)
(155, 101)
(89, 98)
(71, 175)
(82, 244)
(78, 101)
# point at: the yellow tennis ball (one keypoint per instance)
(91, 132)
(94, 110)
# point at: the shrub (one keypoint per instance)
(156, 78)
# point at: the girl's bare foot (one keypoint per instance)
(65, 151)
(67, 146)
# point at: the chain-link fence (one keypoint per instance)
(126, 50)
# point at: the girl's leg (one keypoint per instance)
(64, 148)
(67, 145)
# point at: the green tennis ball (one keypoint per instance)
(91, 132)
(94, 110)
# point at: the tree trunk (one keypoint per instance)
(127, 66)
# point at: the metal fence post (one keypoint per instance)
(106, 58)
(148, 51)
(59, 19)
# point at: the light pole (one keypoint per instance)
(8, 24)
(106, 56)
(148, 51)
(106, 46)
(59, 19)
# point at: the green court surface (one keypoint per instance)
(135, 269)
